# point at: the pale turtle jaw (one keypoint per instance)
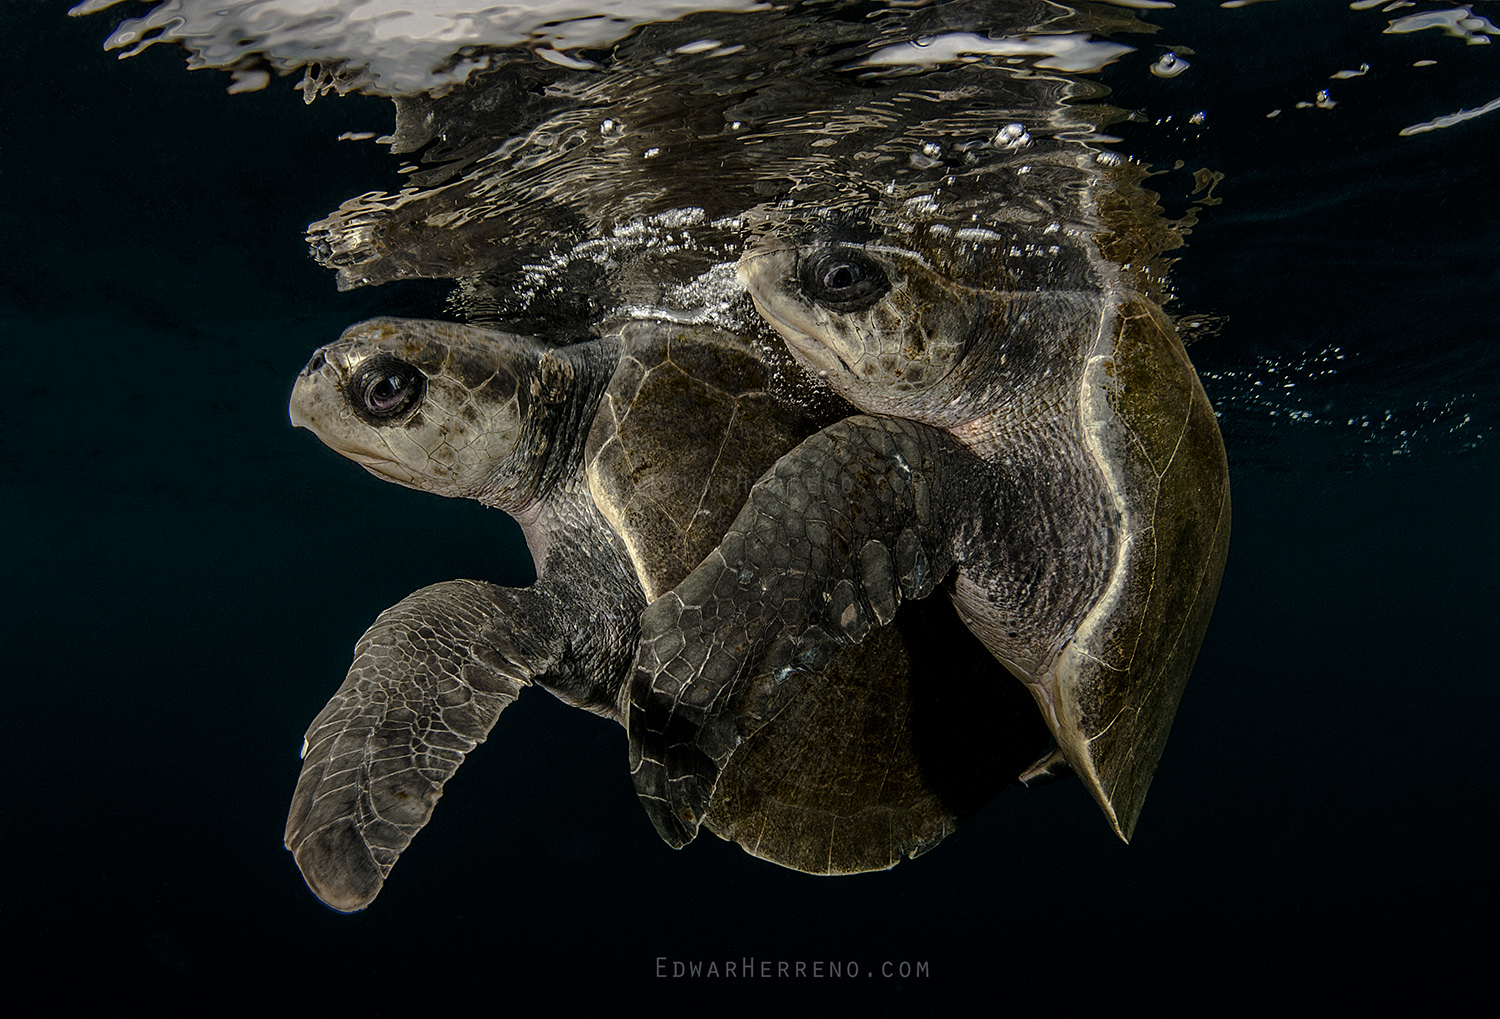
(817, 356)
(784, 310)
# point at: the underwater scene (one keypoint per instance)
(1005, 300)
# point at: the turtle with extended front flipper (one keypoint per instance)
(1049, 450)
(624, 458)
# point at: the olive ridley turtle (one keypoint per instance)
(1049, 450)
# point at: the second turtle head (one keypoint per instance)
(883, 328)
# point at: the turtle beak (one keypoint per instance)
(1114, 687)
(309, 393)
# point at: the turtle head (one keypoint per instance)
(435, 406)
(878, 323)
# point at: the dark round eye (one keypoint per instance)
(842, 279)
(386, 388)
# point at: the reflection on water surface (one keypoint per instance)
(706, 113)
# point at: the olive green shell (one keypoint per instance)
(686, 426)
(1157, 442)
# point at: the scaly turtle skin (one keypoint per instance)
(1050, 451)
(624, 459)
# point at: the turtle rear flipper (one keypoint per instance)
(428, 682)
(832, 540)
(876, 761)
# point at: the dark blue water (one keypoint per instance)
(186, 577)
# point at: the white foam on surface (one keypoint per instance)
(387, 47)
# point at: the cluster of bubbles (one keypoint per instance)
(1281, 397)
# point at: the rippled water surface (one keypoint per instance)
(1305, 186)
(515, 119)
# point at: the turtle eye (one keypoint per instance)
(386, 388)
(842, 279)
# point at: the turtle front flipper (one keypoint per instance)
(831, 540)
(428, 682)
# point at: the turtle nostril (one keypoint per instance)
(317, 362)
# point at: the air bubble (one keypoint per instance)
(1169, 66)
(1012, 136)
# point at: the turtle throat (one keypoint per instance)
(563, 395)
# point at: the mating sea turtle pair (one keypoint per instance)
(1051, 453)
(625, 458)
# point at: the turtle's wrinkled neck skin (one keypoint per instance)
(542, 483)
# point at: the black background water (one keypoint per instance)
(186, 576)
